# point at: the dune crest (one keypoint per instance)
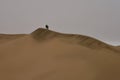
(42, 34)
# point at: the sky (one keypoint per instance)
(96, 18)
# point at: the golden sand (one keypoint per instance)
(49, 55)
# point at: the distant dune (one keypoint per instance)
(8, 37)
(50, 55)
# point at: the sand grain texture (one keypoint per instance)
(49, 55)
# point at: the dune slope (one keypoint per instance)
(49, 55)
(43, 34)
(8, 37)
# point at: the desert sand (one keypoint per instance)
(50, 55)
(118, 47)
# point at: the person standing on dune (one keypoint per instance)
(47, 27)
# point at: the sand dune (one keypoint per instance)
(118, 48)
(49, 55)
(8, 37)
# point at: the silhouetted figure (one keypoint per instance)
(47, 27)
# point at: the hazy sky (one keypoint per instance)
(96, 18)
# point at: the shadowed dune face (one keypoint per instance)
(43, 34)
(47, 55)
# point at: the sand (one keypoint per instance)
(8, 37)
(49, 55)
(118, 47)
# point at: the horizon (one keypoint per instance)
(64, 33)
(96, 18)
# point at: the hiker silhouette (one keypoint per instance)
(47, 27)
